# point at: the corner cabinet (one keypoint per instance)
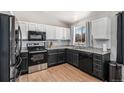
(72, 57)
(101, 28)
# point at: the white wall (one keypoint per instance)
(114, 38)
(55, 43)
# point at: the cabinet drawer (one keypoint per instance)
(97, 66)
(96, 61)
(97, 56)
(52, 51)
(98, 73)
(52, 60)
(61, 50)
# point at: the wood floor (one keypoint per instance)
(60, 73)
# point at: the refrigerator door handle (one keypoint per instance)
(20, 61)
(18, 58)
(18, 75)
(20, 39)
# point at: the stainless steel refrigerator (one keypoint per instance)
(10, 48)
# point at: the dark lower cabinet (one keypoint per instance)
(52, 59)
(56, 56)
(75, 59)
(24, 64)
(94, 64)
(61, 57)
(101, 66)
(86, 62)
(69, 56)
(72, 57)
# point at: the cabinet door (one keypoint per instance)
(52, 59)
(40, 27)
(50, 32)
(59, 33)
(32, 26)
(75, 59)
(69, 55)
(64, 33)
(68, 33)
(61, 56)
(24, 29)
(100, 28)
(86, 62)
(24, 63)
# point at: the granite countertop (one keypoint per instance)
(92, 50)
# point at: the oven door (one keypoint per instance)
(36, 58)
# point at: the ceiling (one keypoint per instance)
(59, 18)
(68, 17)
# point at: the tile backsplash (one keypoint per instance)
(60, 43)
(99, 43)
(55, 43)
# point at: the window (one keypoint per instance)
(80, 34)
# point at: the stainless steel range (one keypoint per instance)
(37, 57)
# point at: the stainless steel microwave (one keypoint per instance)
(36, 36)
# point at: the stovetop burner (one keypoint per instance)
(35, 47)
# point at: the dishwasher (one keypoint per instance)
(86, 62)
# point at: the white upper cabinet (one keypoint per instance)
(101, 28)
(68, 34)
(62, 33)
(24, 29)
(50, 32)
(40, 27)
(32, 26)
(59, 33)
